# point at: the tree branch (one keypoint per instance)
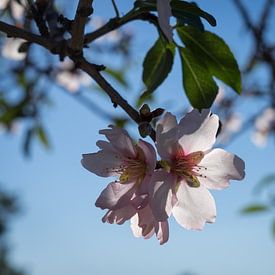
(115, 97)
(115, 23)
(84, 10)
(12, 31)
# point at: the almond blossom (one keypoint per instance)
(11, 49)
(190, 168)
(128, 196)
(264, 124)
(70, 78)
(17, 10)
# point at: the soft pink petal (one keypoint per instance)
(115, 195)
(149, 154)
(137, 230)
(140, 201)
(119, 216)
(195, 207)
(146, 220)
(198, 131)
(163, 232)
(167, 136)
(102, 163)
(164, 13)
(221, 167)
(161, 195)
(120, 140)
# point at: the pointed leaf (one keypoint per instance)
(199, 85)
(215, 53)
(255, 208)
(42, 136)
(157, 65)
(183, 10)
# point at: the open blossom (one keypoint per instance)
(231, 125)
(127, 197)
(190, 168)
(164, 14)
(264, 124)
(11, 49)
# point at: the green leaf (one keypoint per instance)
(42, 136)
(157, 65)
(188, 12)
(214, 52)
(183, 10)
(265, 182)
(118, 75)
(255, 208)
(198, 83)
(28, 138)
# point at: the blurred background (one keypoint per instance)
(50, 113)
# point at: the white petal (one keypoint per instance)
(167, 136)
(149, 154)
(164, 13)
(161, 195)
(195, 207)
(11, 47)
(136, 229)
(198, 131)
(115, 195)
(119, 216)
(163, 232)
(3, 4)
(221, 167)
(102, 163)
(120, 139)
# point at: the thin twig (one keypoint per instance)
(115, 8)
(115, 23)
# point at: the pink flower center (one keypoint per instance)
(187, 167)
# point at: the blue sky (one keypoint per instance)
(60, 230)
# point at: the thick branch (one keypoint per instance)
(84, 9)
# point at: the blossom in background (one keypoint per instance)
(164, 14)
(11, 49)
(190, 168)
(17, 10)
(110, 37)
(231, 125)
(70, 78)
(264, 124)
(128, 196)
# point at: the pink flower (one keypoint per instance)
(144, 224)
(164, 14)
(264, 125)
(127, 197)
(190, 168)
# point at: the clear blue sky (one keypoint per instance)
(60, 230)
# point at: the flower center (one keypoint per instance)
(133, 169)
(187, 167)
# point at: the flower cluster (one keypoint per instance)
(148, 191)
